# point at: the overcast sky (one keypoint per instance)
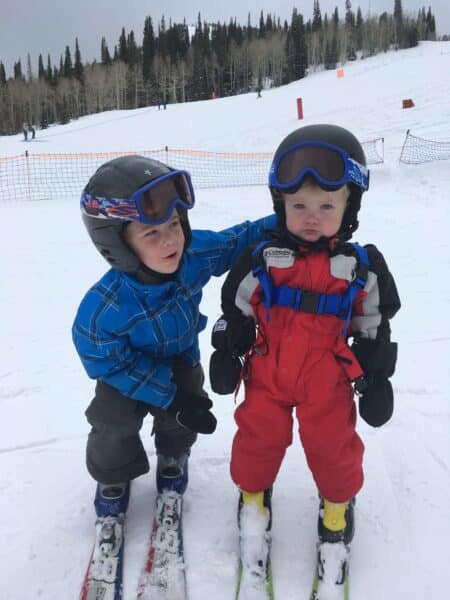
(47, 26)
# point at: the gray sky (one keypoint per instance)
(47, 26)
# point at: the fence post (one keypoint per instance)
(403, 147)
(28, 175)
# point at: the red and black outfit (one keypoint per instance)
(300, 361)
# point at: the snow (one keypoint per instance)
(400, 549)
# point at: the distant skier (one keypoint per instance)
(25, 132)
(307, 292)
(32, 130)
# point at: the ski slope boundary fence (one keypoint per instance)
(417, 150)
(46, 176)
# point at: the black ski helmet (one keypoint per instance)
(120, 178)
(337, 136)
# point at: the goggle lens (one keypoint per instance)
(157, 200)
(330, 166)
(152, 204)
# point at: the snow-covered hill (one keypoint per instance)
(401, 544)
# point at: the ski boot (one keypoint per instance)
(336, 522)
(111, 502)
(336, 526)
(111, 499)
(255, 522)
(172, 473)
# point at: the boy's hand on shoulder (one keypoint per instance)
(193, 412)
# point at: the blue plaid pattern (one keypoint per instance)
(127, 333)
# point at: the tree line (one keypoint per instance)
(175, 64)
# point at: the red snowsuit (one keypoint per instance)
(301, 361)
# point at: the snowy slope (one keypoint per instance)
(401, 545)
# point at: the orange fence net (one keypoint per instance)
(45, 176)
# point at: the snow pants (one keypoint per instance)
(115, 452)
(312, 380)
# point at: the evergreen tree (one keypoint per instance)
(162, 42)
(41, 70)
(29, 69)
(49, 70)
(18, 70)
(299, 50)
(78, 70)
(249, 28)
(349, 15)
(123, 49)
(2, 74)
(262, 26)
(359, 29)
(200, 50)
(104, 53)
(335, 18)
(398, 19)
(431, 25)
(67, 66)
(317, 17)
(148, 49)
(132, 50)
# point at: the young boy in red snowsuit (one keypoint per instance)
(290, 306)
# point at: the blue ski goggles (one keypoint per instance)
(152, 204)
(329, 165)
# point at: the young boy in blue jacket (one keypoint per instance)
(136, 330)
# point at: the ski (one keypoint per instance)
(254, 577)
(103, 579)
(253, 585)
(331, 578)
(163, 576)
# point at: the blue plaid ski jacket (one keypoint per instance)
(127, 333)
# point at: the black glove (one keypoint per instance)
(234, 335)
(192, 411)
(224, 372)
(376, 398)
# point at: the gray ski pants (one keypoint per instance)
(115, 452)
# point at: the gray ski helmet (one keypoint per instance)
(120, 178)
(337, 136)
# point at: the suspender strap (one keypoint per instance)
(310, 302)
(259, 270)
(358, 283)
(307, 301)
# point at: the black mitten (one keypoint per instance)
(224, 372)
(376, 403)
(375, 356)
(193, 412)
(234, 335)
(376, 399)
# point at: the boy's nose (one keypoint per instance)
(311, 216)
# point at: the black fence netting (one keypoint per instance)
(417, 150)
